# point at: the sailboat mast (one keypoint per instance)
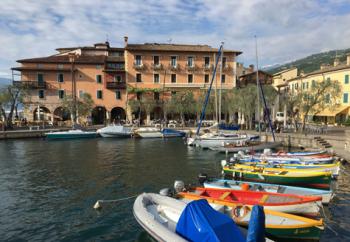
(222, 54)
(216, 97)
(257, 83)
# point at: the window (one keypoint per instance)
(296, 85)
(223, 78)
(206, 78)
(117, 78)
(41, 94)
(139, 95)
(40, 65)
(59, 66)
(98, 78)
(313, 83)
(346, 80)
(173, 93)
(190, 61)
(138, 77)
(223, 61)
(206, 61)
(98, 67)
(173, 61)
(156, 60)
(345, 97)
(60, 94)
(118, 95)
(303, 85)
(328, 79)
(156, 96)
(99, 94)
(173, 78)
(81, 93)
(307, 85)
(40, 78)
(60, 77)
(138, 60)
(156, 78)
(116, 66)
(190, 78)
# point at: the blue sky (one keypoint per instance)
(286, 29)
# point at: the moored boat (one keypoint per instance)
(290, 160)
(326, 195)
(259, 174)
(288, 203)
(170, 133)
(246, 146)
(115, 131)
(168, 219)
(216, 140)
(148, 132)
(71, 134)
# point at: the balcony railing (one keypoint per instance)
(174, 67)
(115, 85)
(191, 67)
(157, 66)
(138, 66)
(208, 67)
(30, 84)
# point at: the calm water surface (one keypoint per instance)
(48, 188)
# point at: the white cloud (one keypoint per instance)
(286, 29)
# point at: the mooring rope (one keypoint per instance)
(98, 204)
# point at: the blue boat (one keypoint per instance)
(326, 195)
(71, 134)
(169, 133)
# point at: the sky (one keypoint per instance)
(286, 29)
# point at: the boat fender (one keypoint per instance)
(239, 212)
(202, 177)
(224, 163)
(179, 186)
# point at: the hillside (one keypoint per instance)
(4, 82)
(313, 62)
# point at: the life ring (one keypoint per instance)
(239, 212)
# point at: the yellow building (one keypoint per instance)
(281, 78)
(337, 72)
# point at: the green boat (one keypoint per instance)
(259, 174)
(71, 134)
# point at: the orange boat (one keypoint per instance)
(288, 203)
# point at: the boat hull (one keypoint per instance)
(52, 136)
(318, 181)
(262, 146)
(236, 185)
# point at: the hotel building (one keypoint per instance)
(113, 76)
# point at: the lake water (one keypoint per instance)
(48, 188)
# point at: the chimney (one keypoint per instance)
(336, 61)
(348, 59)
(251, 68)
(302, 73)
(126, 40)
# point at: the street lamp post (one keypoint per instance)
(72, 57)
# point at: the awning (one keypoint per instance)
(333, 112)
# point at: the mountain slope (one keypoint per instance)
(313, 62)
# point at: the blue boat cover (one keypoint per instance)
(200, 222)
(228, 126)
(256, 228)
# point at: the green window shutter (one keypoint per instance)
(345, 98)
(346, 79)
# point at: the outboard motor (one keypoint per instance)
(166, 192)
(179, 186)
(202, 178)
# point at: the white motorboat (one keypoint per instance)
(71, 134)
(115, 131)
(168, 219)
(148, 133)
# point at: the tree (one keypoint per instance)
(84, 105)
(10, 97)
(323, 94)
(182, 103)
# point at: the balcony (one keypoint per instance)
(191, 67)
(208, 67)
(227, 68)
(157, 67)
(112, 67)
(30, 84)
(138, 66)
(174, 67)
(115, 85)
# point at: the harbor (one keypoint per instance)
(49, 189)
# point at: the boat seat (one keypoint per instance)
(225, 195)
(154, 211)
